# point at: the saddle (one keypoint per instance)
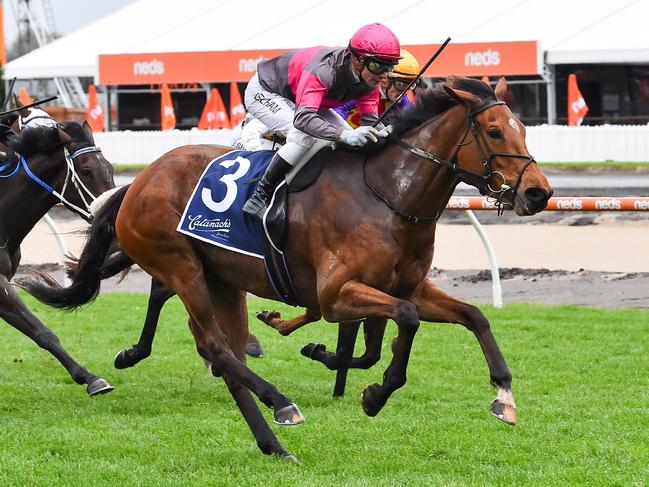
(275, 226)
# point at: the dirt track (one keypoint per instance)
(596, 261)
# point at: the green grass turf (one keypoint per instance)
(581, 381)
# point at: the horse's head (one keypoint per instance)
(494, 147)
(65, 158)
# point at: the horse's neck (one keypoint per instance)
(414, 185)
(23, 202)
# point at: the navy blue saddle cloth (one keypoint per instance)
(213, 213)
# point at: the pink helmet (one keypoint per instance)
(376, 41)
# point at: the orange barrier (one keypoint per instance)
(567, 203)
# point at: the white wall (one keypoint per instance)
(144, 147)
(547, 143)
(560, 143)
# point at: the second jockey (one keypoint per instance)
(390, 89)
(293, 93)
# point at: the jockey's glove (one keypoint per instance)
(360, 136)
(385, 131)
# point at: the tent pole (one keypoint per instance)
(109, 114)
(551, 87)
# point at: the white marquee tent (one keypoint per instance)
(575, 31)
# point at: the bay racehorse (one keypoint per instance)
(44, 166)
(359, 242)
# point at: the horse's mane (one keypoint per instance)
(435, 101)
(45, 139)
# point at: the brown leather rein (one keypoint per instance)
(479, 181)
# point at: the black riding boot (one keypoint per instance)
(257, 203)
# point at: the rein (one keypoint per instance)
(71, 175)
(479, 181)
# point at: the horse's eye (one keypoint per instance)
(494, 134)
(85, 171)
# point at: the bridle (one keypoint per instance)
(483, 182)
(71, 176)
(487, 155)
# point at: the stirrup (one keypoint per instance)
(255, 206)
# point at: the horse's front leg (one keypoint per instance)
(347, 333)
(433, 304)
(354, 301)
(373, 331)
(16, 313)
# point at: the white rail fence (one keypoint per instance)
(548, 143)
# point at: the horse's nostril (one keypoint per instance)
(536, 195)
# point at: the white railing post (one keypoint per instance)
(62, 247)
(496, 289)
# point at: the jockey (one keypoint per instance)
(253, 131)
(390, 89)
(292, 93)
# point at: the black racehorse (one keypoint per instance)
(42, 166)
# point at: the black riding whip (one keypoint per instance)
(414, 81)
(39, 102)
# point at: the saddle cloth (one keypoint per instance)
(213, 213)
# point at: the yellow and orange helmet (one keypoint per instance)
(408, 67)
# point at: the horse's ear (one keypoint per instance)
(88, 130)
(64, 137)
(464, 97)
(25, 111)
(501, 88)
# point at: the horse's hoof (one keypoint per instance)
(289, 415)
(286, 456)
(254, 349)
(370, 400)
(266, 316)
(504, 412)
(98, 386)
(291, 458)
(121, 362)
(311, 349)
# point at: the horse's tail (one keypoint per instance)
(116, 261)
(90, 266)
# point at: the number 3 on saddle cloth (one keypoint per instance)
(213, 213)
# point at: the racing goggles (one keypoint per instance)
(376, 66)
(401, 84)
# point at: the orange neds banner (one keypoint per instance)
(95, 114)
(23, 96)
(471, 59)
(577, 108)
(3, 50)
(237, 110)
(214, 115)
(167, 115)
